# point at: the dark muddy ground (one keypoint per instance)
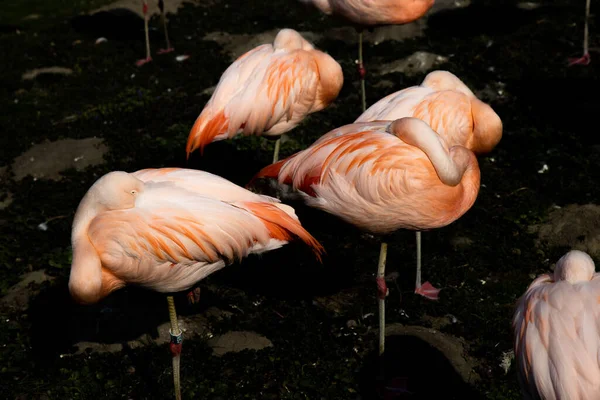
(321, 319)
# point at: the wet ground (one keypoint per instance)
(309, 329)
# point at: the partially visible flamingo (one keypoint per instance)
(268, 91)
(557, 332)
(166, 229)
(585, 59)
(161, 6)
(383, 176)
(366, 13)
(451, 109)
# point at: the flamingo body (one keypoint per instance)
(166, 229)
(446, 104)
(557, 332)
(383, 176)
(268, 91)
(374, 12)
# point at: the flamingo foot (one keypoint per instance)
(584, 60)
(427, 290)
(194, 295)
(382, 290)
(164, 51)
(143, 61)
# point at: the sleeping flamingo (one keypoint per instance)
(161, 6)
(383, 176)
(166, 229)
(557, 332)
(268, 91)
(451, 109)
(365, 13)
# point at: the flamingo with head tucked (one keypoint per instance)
(557, 332)
(383, 176)
(451, 109)
(166, 229)
(268, 91)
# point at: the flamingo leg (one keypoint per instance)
(382, 293)
(175, 346)
(276, 150)
(426, 289)
(161, 6)
(148, 58)
(362, 71)
(585, 59)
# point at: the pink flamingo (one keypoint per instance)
(451, 109)
(268, 91)
(161, 6)
(167, 229)
(384, 176)
(556, 326)
(365, 13)
(585, 59)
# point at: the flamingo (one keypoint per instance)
(268, 91)
(556, 326)
(383, 176)
(451, 109)
(161, 6)
(166, 229)
(585, 59)
(365, 13)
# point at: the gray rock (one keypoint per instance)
(236, 341)
(17, 297)
(419, 62)
(461, 242)
(453, 348)
(574, 226)
(236, 45)
(47, 160)
(171, 6)
(195, 325)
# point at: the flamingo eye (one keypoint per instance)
(133, 192)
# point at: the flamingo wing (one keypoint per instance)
(448, 112)
(287, 89)
(212, 123)
(205, 184)
(357, 153)
(557, 339)
(396, 105)
(174, 237)
(273, 97)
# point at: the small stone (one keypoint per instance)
(461, 242)
(34, 73)
(418, 62)
(236, 341)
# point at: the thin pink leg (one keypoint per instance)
(148, 58)
(585, 59)
(161, 6)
